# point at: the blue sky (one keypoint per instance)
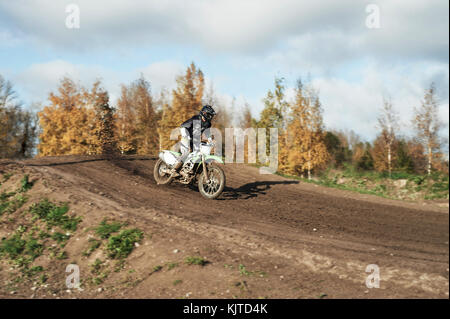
(241, 46)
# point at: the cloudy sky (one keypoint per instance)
(241, 45)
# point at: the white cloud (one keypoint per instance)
(162, 74)
(39, 79)
(356, 105)
(410, 29)
(327, 38)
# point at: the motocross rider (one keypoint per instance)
(191, 131)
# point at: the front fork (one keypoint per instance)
(204, 168)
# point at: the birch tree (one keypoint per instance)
(388, 125)
(427, 125)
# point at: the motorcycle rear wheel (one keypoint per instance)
(160, 176)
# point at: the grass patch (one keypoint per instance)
(243, 271)
(61, 255)
(43, 235)
(33, 248)
(120, 265)
(21, 251)
(93, 245)
(96, 269)
(8, 205)
(4, 196)
(13, 246)
(434, 186)
(34, 271)
(43, 278)
(60, 238)
(171, 266)
(104, 230)
(196, 261)
(157, 268)
(121, 245)
(96, 266)
(54, 215)
(25, 184)
(6, 177)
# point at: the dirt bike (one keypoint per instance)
(199, 167)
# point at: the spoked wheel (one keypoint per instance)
(161, 173)
(213, 187)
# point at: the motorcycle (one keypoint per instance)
(199, 167)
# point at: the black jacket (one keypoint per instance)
(189, 125)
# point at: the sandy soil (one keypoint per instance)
(295, 240)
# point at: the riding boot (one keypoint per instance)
(175, 169)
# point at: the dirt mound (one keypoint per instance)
(265, 237)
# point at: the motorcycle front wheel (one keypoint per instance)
(212, 187)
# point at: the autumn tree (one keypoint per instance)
(168, 121)
(96, 99)
(362, 156)
(427, 125)
(137, 119)
(146, 117)
(383, 153)
(384, 156)
(187, 97)
(307, 150)
(186, 102)
(358, 151)
(416, 152)
(126, 131)
(69, 123)
(104, 139)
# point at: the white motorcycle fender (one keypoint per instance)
(168, 157)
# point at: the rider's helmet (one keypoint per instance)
(207, 112)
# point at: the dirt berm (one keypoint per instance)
(265, 237)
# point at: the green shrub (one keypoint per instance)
(195, 261)
(33, 248)
(54, 215)
(60, 237)
(93, 245)
(13, 246)
(121, 245)
(35, 270)
(11, 205)
(25, 184)
(439, 187)
(24, 251)
(418, 180)
(105, 229)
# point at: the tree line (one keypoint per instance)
(81, 120)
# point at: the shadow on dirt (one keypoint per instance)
(251, 190)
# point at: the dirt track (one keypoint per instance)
(309, 240)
